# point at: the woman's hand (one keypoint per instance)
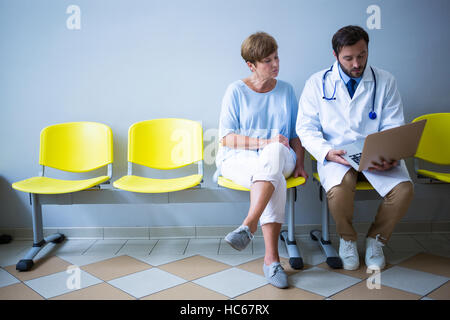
(236, 141)
(279, 138)
(299, 171)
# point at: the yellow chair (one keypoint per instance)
(323, 236)
(295, 257)
(434, 146)
(72, 147)
(163, 144)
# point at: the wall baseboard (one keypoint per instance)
(205, 231)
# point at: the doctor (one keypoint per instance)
(340, 104)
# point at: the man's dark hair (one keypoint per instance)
(348, 36)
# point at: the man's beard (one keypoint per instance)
(348, 72)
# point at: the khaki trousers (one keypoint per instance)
(391, 210)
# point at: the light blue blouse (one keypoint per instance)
(257, 115)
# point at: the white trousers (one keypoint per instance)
(274, 163)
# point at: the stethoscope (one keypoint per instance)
(372, 113)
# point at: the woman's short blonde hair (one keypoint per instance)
(258, 46)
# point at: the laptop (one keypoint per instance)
(392, 144)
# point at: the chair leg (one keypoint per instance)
(39, 241)
(295, 257)
(323, 237)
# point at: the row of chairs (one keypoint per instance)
(165, 144)
(87, 146)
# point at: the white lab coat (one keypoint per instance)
(323, 125)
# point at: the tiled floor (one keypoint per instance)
(418, 268)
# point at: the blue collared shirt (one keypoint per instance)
(346, 78)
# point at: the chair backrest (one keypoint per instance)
(434, 145)
(76, 146)
(165, 143)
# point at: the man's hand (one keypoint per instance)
(383, 166)
(335, 156)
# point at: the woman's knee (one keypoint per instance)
(275, 151)
(272, 158)
(275, 146)
(272, 218)
(276, 179)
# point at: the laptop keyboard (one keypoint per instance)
(356, 157)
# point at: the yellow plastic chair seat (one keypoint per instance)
(360, 185)
(148, 185)
(45, 185)
(227, 183)
(294, 182)
(444, 177)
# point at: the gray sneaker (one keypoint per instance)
(275, 275)
(239, 238)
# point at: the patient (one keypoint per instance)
(259, 147)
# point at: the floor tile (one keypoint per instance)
(361, 291)
(311, 251)
(313, 257)
(12, 252)
(62, 282)
(413, 281)
(160, 259)
(194, 267)
(434, 243)
(85, 259)
(41, 267)
(18, 244)
(170, 247)
(441, 293)
(146, 282)
(137, 247)
(7, 279)
(442, 253)
(187, 291)
(305, 240)
(396, 257)
(233, 259)
(10, 258)
(256, 266)
(321, 281)
(74, 247)
(115, 267)
(404, 243)
(203, 246)
(232, 282)
(208, 268)
(428, 263)
(269, 292)
(18, 291)
(101, 291)
(225, 248)
(105, 247)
